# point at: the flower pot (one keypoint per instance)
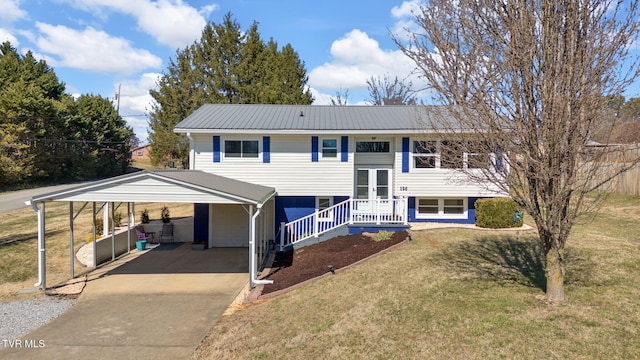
(141, 245)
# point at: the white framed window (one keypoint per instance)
(329, 148)
(322, 203)
(449, 154)
(373, 147)
(425, 154)
(441, 208)
(242, 149)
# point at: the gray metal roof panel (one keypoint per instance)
(253, 117)
(252, 193)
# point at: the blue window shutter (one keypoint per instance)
(314, 148)
(405, 154)
(216, 149)
(344, 149)
(266, 149)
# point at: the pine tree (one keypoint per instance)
(225, 66)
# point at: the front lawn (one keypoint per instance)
(458, 294)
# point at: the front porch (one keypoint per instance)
(351, 213)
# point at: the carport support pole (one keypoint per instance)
(42, 271)
(113, 232)
(253, 270)
(95, 245)
(71, 239)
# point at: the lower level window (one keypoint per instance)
(444, 208)
(322, 203)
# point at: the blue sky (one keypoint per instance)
(97, 45)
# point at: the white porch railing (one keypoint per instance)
(351, 211)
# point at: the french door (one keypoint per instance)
(373, 183)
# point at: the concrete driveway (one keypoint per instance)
(158, 305)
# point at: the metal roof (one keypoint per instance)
(244, 118)
(195, 181)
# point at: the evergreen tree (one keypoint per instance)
(225, 66)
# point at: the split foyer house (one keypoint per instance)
(335, 166)
(279, 176)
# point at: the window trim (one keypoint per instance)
(330, 198)
(321, 148)
(223, 150)
(441, 214)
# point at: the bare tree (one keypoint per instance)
(390, 92)
(530, 78)
(341, 98)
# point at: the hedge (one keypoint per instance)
(498, 213)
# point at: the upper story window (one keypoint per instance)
(425, 154)
(330, 148)
(242, 149)
(449, 154)
(372, 147)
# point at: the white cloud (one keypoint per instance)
(405, 15)
(135, 102)
(11, 11)
(90, 49)
(171, 22)
(6, 35)
(357, 57)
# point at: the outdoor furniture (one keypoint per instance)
(142, 235)
(166, 233)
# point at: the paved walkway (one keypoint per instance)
(158, 305)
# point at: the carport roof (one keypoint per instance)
(165, 186)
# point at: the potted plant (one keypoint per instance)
(164, 215)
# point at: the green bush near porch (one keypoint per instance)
(498, 213)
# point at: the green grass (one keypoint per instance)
(458, 294)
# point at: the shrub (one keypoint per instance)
(117, 219)
(498, 213)
(164, 215)
(382, 235)
(144, 216)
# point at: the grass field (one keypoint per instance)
(458, 294)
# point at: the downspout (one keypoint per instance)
(253, 271)
(42, 280)
(192, 151)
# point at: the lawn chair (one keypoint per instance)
(142, 235)
(167, 232)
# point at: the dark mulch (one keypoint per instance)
(306, 263)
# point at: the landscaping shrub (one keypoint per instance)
(498, 213)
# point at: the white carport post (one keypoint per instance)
(71, 254)
(253, 266)
(42, 271)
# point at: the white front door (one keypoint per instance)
(373, 183)
(373, 190)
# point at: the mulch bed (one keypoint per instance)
(293, 267)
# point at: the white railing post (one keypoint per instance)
(377, 210)
(315, 223)
(351, 211)
(282, 229)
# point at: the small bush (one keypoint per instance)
(144, 216)
(117, 219)
(164, 215)
(382, 235)
(497, 213)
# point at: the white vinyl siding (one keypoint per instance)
(290, 170)
(430, 182)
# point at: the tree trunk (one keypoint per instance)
(554, 273)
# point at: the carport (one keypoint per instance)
(254, 203)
